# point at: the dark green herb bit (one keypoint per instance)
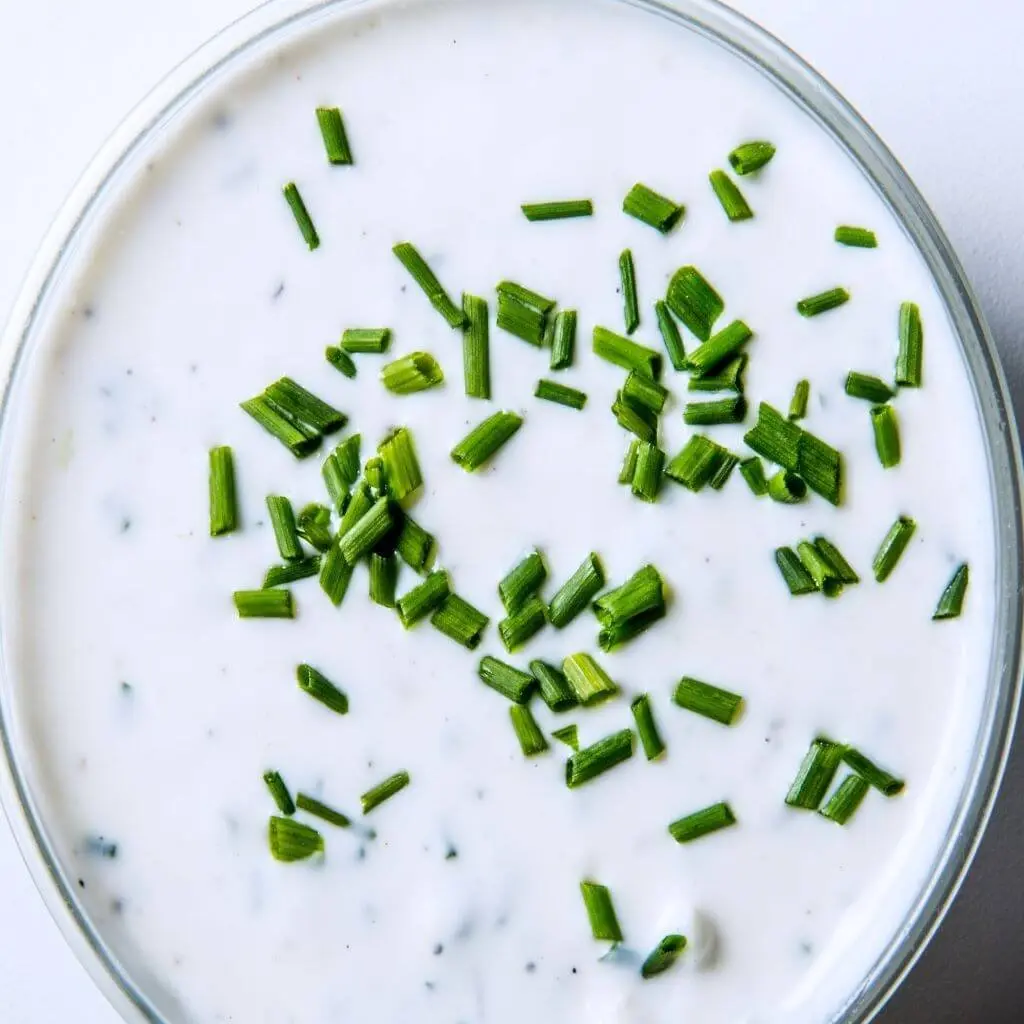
(383, 579)
(710, 414)
(560, 394)
(577, 592)
(879, 778)
(863, 385)
(298, 207)
(320, 688)
(303, 408)
(373, 798)
(640, 391)
(817, 770)
(279, 792)
(282, 519)
(892, 547)
(421, 273)
(798, 403)
(843, 803)
(513, 683)
(650, 738)
(601, 913)
(522, 624)
(951, 603)
(629, 610)
(367, 532)
(697, 463)
(719, 348)
(423, 598)
(752, 470)
(340, 360)
(458, 619)
(911, 351)
(526, 322)
(569, 735)
(376, 476)
(360, 502)
(650, 463)
(522, 582)
(299, 439)
(663, 956)
(415, 372)
(721, 475)
(635, 418)
(476, 347)
(370, 340)
(787, 488)
(332, 128)
(749, 157)
(531, 739)
(630, 300)
(291, 572)
(647, 205)
(415, 546)
(694, 301)
(670, 336)
(625, 353)
(820, 568)
(887, 435)
(334, 482)
(313, 806)
(563, 209)
(858, 238)
(712, 702)
(554, 687)
(484, 440)
(401, 466)
(729, 377)
(702, 823)
(223, 503)
(290, 840)
(527, 296)
(314, 525)
(841, 568)
(628, 470)
(588, 681)
(586, 764)
(347, 454)
(814, 305)
(563, 339)
(735, 206)
(795, 575)
(264, 604)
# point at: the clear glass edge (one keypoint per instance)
(806, 87)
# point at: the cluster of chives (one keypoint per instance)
(816, 565)
(700, 463)
(629, 610)
(295, 416)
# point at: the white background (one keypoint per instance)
(940, 80)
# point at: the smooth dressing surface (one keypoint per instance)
(202, 293)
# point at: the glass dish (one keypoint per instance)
(281, 22)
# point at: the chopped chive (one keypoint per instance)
(636, 419)
(879, 778)
(630, 301)
(663, 956)
(697, 463)
(694, 301)
(373, 798)
(371, 340)
(798, 403)
(314, 525)
(531, 739)
(279, 792)
(264, 604)
(710, 414)
(588, 681)
(863, 385)
(586, 764)
(484, 440)
(335, 575)
(670, 336)
(749, 157)
(951, 603)
(526, 296)
(820, 466)
(702, 823)
(752, 470)
(360, 502)
(458, 619)
(577, 592)
(625, 353)
(650, 738)
(796, 577)
(858, 238)
(376, 476)
(843, 803)
(299, 439)
(522, 582)
(522, 624)
(817, 770)
(320, 688)
(291, 840)
(735, 206)
(282, 519)
(628, 470)
(841, 568)
(640, 597)
(421, 273)
(650, 463)
(340, 360)
(223, 503)
(554, 687)
(423, 598)
(332, 128)
(383, 579)
(523, 321)
(569, 735)
(294, 402)
(911, 351)
(787, 488)
(892, 547)
(513, 683)
(415, 372)
(334, 481)
(367, 532)
(476, 347)
(647, 205)
(640, 390)
(724, 470)
(887, 435)
(604, 925)
(560, 394)
(298, 207)
(415, 546)
(291, 572)
(718, 348)
(712, 702)
(563, 339)
(621, 631)
(313, 806)
(814, 305)
(822, 572)
(728, 378)
(559, 210)
(347, 455)
(401, 466)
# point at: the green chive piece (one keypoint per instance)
(347, 454)
(375, 476)
(458, 619)
(588, 681)
(814, 305)
(421, 273)
(335, 575)
(563, 209)
(814, 779)
(291, 572)
(725, 467)
(630, 300)
(640, 390)
(710, 414)
(264, 604)
(569, 735)
(879, 778)
(295, 403)
(415, 372)
(820, 466)
(299, 439)
(749, 157)
(796, 577)
(636, 419)
(369, 340)
(694, 301)
(670, 336)
(728, 378)
(824, 575)
(320, 688)
(650, 464)
(858, 238)
(663, 956)
(843, 803)
(401, 466)
(290, 840)
(383, 579)
(484, 440)
(586, 764)
(360, 502)
(563, 339)
(627, 611)
(752, 470)
(650, 738)
(313, 806)
(604, 925)
(528, 297)
(628, 470)
(419, 602)
(512, 683)
(476, 347)
(282, 519)
(735, 206)
(523, 624)
(787, 488)
(911, 351)
(298, 207)
(892, 547)
(951, 603)
(697, 463)
(314, 525)
(531, 739)
(841, 568)
(625, 353)
(702, 823)
(367, 532)
(887, 435)
(798, 403)
(279, 792)
(719, 348)
(560, 394)
(340, 360)
(373, 798)
(332, 128)
(415, 546)
(863, 385)
(577, 592)
(334, 481)
(523, 321)
(554, 687)
(710, 701)
(522, 582)
(223, 502)
(647, 205)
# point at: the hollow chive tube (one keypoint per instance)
(630, 300)
(702, 823)
(522, 582)
(885, 782)
(522, 625)
(864, 385)
(458, 619)
(719, 348)
(401, 465)
(340, 360)
(577, 592)
(528, 732)
(648, 206)
(710, 414)
(291, 572)
(305, 224)
(383, 579)
(564, 209)
(476, 347)
(282, 520)
(563, 339)
(264, 604)
(733, 203)
(640, 390)
(728, 377)
(408, 255)
(951, 603)
(798, 403)
(750, 157)
(554, 687)
(484, 440)
(560, 394)
(373, 798)
(597, 899)
(629, 460)
(892, 547)
(709, 701)
(787, 488)
(512, 683)
(814, 778)
(588, 681)
(332, 128)
(415, 546)
(857, 238)
(752, 470)
(279, 792)
(697, 463)
(646, 727)
(910, 357)
(648, 473)
(887, 435)
(319, 809)
(663, 956)
(291, 840)
(845, 801)
(820, 568)
(223, 502)
(410, 374)
(670, 336)
(815, 305)
(587, 764)
(694, 301)
(419, 602)
(796, 577)
(320, 688)
(303, 408)
(360, 539)
(299, 439)
(630, 355)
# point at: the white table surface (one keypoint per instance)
(940, 80)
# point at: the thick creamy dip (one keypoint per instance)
(148, 711)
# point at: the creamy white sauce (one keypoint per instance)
(201, 293)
